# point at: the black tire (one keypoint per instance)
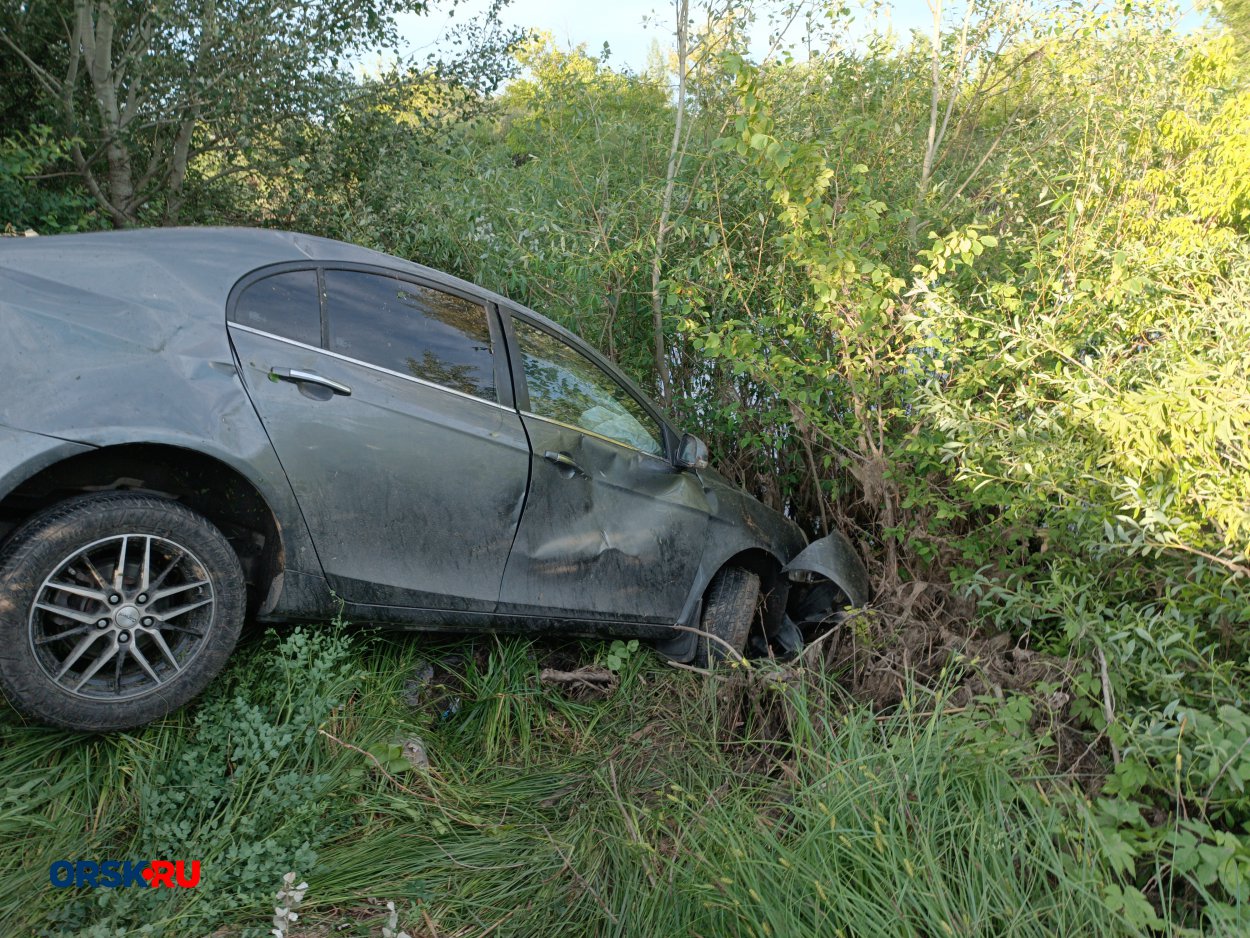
(115, 656)
(729, 608)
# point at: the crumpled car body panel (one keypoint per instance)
(123, 338)
(834, 558)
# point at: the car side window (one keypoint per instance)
(284, 305)
(566, 386)
(411, 329)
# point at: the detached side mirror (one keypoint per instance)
(691, 452)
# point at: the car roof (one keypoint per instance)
(205, 257)
(205, 261)
(190, 271)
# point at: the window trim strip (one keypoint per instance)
(378, 368)
(597, 436)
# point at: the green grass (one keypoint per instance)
(655, 812)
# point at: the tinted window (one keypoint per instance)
(565, 385)
(285, 305)
(411, 329)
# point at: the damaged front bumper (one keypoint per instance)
(821, 581)
(835, 559)
(826, 577)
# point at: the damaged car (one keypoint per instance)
(201, 427)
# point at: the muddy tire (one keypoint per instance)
(115, 609)
(729, 608)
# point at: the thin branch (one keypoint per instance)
(1206, 798)
(1108, 704)
(42, 75)
(675, 157)
(380, 767)
(1214, 558)
(716, 638)
(961, 68)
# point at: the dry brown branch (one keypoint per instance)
(596, 680)
(716, 638)
(1108, 705)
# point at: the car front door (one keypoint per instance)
(611, 529)
(389, 405)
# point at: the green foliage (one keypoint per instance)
(1236, 14)
(390, 758)
(162, 97)
(648, 813)
(541, 199)
(27, 204)
(1095, 408)
(1185, 765)
(241, 786)
(865, 845)
(619, 653)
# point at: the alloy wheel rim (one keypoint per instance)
(121, 617)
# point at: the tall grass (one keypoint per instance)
(652, 813)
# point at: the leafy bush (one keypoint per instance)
(244, 787)
(27, 202)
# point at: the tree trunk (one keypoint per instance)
(178, 171)
(662, 373)
(96, 35)
(931, 143)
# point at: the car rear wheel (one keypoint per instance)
(115, 609)
(729, 608)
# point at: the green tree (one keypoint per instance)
(144, 89)
(1236, 15)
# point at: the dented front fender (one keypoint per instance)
(833, 557)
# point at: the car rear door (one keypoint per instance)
(388, 402)
(611, 529)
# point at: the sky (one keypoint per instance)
(628, 26)
(631, 28)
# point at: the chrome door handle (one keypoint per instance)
(309, 377)
(564, 462)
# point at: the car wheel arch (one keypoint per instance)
(757, 559)
(783, 584)
(774, 587)
(204, 482)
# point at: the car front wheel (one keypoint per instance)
(729, 608)
(115, 609)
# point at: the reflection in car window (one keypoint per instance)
(285, 305)
(566, 386)
(411, 329)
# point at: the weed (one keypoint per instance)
(658, 810)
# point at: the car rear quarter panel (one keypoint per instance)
(105, 346)
(22, 454)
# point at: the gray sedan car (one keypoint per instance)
(199, 426)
